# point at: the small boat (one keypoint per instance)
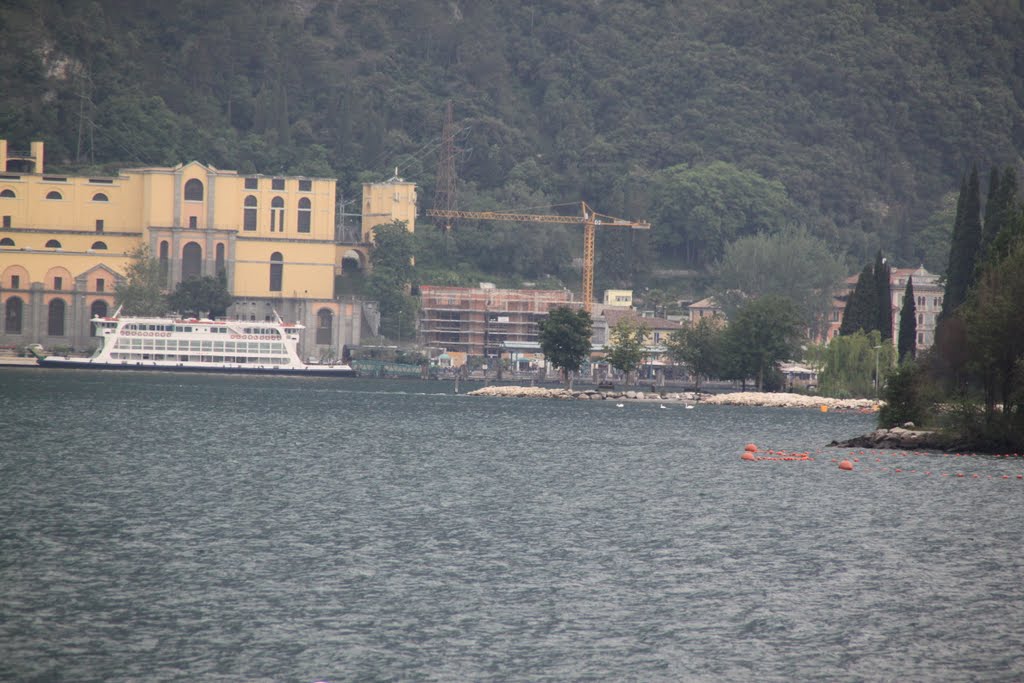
(197, 345)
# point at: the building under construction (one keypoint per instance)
(484, 321)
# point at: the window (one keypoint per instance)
(55, 318)
(305, 186)
(97, 310)
(165, 264)
(277, 184)
(15, 282)
(220, 259)
(7, 221)
(58, 283)
(101, 285)
(53, 244)
(305, 214)
(100, 197)
(276, 271)
(7, 194)
(249, 213)
(324, 327)
(191, 261)
(252, 183)
(53, 194)
(194, 191)
(193, 222)
(55, 179)
(6, 242)
(99, 225)
(277, 214)
(13, 315)
(98, 245)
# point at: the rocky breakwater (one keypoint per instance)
(584, 395)
(755, 398)
(904, 438)
(746, 398)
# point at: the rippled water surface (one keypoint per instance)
(209, 528)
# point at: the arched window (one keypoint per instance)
(7, 194)
(193, 190)
(165, 264)
(55, 318)
(325, 327)
(220, 259)
(249, 214)
(305, 214)
(98, 245)
(6, 242)
(100, 197)
(53, 194)
(276, 271)
(191, 261)
(53, 244)
(98, 309)
(13, 315)
(277, 214)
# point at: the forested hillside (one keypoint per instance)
(855, 119)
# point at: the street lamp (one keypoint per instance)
(876, 370)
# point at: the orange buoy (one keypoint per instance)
(750, 448)
(824, 408)
(846, 465)
(747, 455)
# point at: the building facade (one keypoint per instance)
(65, 243)
(484, 321)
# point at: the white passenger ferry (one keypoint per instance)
(197, 345)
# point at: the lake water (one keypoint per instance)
(255, 529)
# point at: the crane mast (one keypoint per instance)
(589, 218)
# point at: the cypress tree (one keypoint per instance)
(883, 297)
(1000, 219)
(963, 250)
(906, 345)
(992, 211)
(861, 306)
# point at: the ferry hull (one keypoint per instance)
(306, 371)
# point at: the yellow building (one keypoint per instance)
(392, 200)
(618, 298)
(64, 242)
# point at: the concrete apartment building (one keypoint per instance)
(64, 244)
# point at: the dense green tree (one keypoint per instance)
(389, 282)
(850, 364)
(698, 347)
(140, 293)
(861, 309)
(1002, 217)
(963, 251)
(791, 263)
(625, 348)
(905, 397)
(763, 333)
(201, 296)
(564, 337)
(883, 296)
(907, 342)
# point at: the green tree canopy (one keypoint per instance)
(564, 337)
(862, 305)
(763, 333)
(907, 343)
(625, 350)
(199, 296)
(390, 280)
(697, 346)
(963, 251)
(140, 293)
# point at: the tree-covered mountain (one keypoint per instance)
(852, 118)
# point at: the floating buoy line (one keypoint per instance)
(929, 463)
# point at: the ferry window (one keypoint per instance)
(99, 245)
(276, 271)
(6, 242)
(100, 284)
(305, 186)
(100, 197)
(305, 214)
(7, 194)
(53, 244)
(194, 190)
(55, 318)
(53, 194)
(13, 314)
(252, 183)
(249, 213)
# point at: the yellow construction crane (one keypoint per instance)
(589, 218)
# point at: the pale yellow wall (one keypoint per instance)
(308, 269)
(387, 202)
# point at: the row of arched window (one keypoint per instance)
(51, 244)
(277, 224)
(53, 194)
(56, 314)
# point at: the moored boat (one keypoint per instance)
(197, 345)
